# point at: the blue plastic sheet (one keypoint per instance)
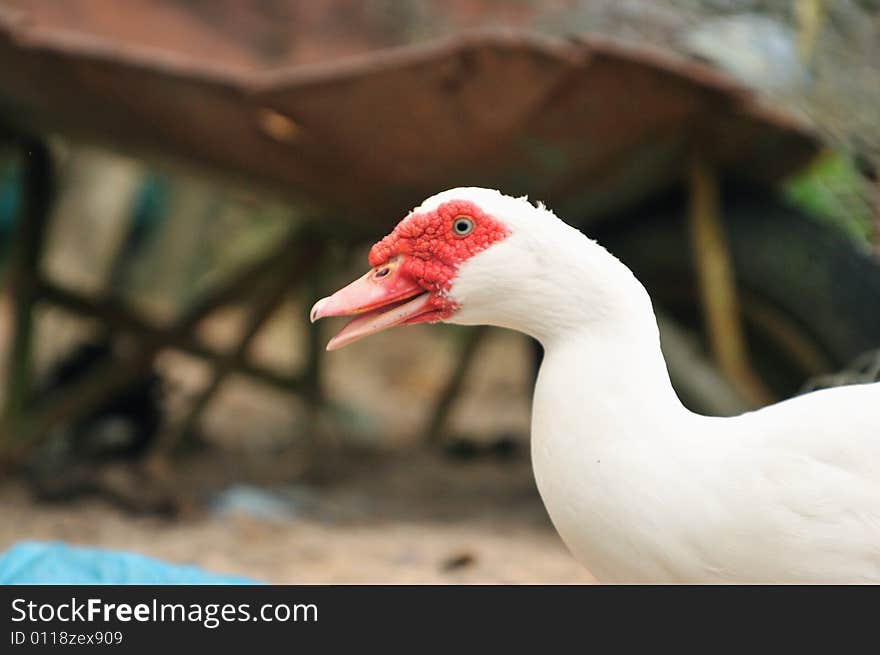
(57, 563)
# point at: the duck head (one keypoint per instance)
(472, 256)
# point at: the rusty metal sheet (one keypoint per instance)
(339, 104)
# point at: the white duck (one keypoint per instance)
(640, 488)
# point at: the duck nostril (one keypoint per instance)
(382, 272)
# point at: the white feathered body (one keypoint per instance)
(789, 493)
(640, 488)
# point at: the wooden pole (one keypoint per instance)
(271, 294)
(874, 181)
(119, 317)
(82, 397)
(446, 400)
(27, 250)
(809, 17)
(717, 282)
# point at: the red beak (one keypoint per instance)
(382, 298)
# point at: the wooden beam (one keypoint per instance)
(269, 296)
(875, 207)
(77, 400)
(119, 317)
(717, 283)
(446, 400)
(809, 16)
(28, 243)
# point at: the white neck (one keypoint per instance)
(606, 421)
(608, 340)
(607, 426)
(565, 290)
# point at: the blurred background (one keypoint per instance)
(180, 180)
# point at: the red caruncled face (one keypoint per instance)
(433, 248)
(413, 270)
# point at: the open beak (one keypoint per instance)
(381, 299)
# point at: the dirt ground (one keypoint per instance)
(414, 517)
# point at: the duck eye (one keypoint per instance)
(462, 226)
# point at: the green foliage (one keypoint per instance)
(833, 190)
